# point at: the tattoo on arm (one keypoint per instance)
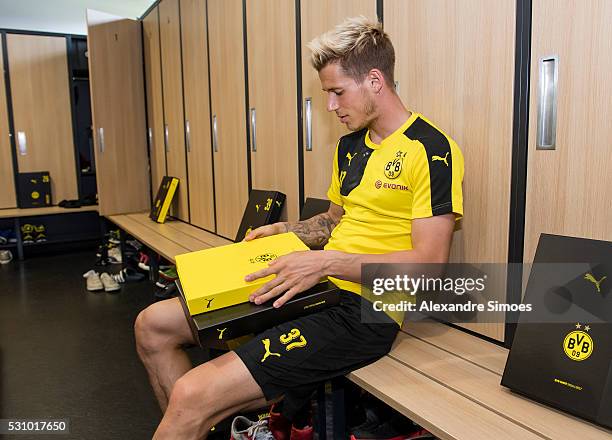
(315, 231)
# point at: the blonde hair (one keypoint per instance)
(359, 45)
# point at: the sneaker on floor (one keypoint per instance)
(279, 425)
(6, 257)
(169, 274)
(128, 275)
(244, 429)
(114, 237)
(143, 262)
(135, 244)
(114, 255)
(93, 281)
(39, 233)
(27, 233)
(110, 285)
(167, 292)
(4, 233)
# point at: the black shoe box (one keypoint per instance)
(34, 189)
(215, 329)
(263, 208)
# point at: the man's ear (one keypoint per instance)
(375, 80)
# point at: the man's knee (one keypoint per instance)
(157, 326)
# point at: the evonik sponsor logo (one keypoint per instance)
(394, 186)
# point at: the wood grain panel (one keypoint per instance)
(172, 74)
(117, 97)
(228, 105)
(445, 413)
(38, 68)
(8, 197)
(197, 112)
(326, 129)
(569, 190)
(155, 104)
(273, 86)
(455, 64)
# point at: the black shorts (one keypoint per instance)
(291, 359)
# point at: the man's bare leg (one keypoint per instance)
(161, 330)
(208, 394)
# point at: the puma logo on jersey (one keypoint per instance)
(350, 157)
(591, 278)
(441, 159)
(221, 332)
(268, 353)
(342, 176)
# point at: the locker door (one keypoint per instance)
(569, 188)
(172, 78)
(7, 181)
(321, 128)
(42, 114)
(118, 113)
(197, 113)
(155, 107)
(228, 113)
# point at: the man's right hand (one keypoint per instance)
(267, 230)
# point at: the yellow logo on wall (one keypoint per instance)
(578, 345)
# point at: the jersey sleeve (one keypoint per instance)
(436, 181)
(333, 193)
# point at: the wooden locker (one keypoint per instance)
(322, 133)
(455, 65)
(7, 181)
(197, 113)
(272, 100)
(172, 80)
(118, 113)
(42, 114)
(569, 188)
(225, 23)
(155, 104)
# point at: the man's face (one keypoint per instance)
(351, 101)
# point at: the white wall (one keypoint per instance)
(63, 16)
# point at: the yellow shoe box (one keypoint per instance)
(214, 278)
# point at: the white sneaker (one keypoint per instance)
(93, 281)
(6, 257)
(110, 285)
(114, 255)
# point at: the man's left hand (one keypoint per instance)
(295, 273)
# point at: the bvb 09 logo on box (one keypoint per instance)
(578, 344)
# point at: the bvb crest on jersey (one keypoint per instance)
(578, 344)
(393, 168)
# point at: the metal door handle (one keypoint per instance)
(101, 139)
(253, 131)
(166, 138)
(215, 141)
(188, 136)
(308, 105)
(22, 142)
(150, 138)
(547, 103)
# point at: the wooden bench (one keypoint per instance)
(446, 380)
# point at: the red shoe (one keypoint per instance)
(306, 433)
(279, 426)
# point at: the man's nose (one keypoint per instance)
(332, 103)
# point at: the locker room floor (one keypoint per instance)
(69, 353)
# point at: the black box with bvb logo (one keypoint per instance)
(263, 208)
(564, 362)
(34, 189)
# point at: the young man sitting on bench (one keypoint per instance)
(395, 195)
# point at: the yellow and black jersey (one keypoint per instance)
(416, 172)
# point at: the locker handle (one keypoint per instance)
(215, 141)
(22, 142)
(547, 103)
(150, 138)
(188, 136)
(101, 139)
(253, 131)
(308, 105)
(166, 138)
